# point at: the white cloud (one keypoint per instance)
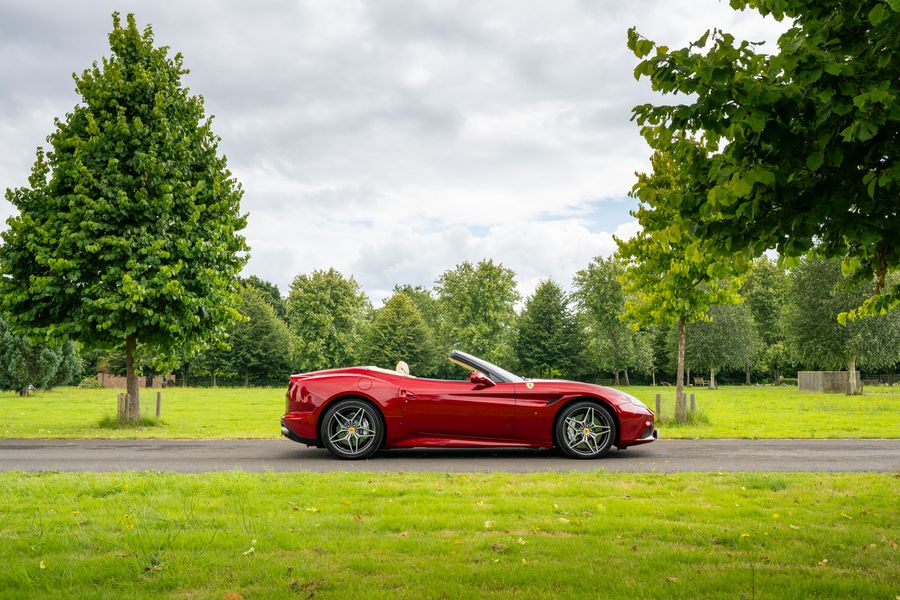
(390, 139)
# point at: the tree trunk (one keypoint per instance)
(133, 390)
(851, 366)
(617, 377)
(712, 378)
(214, 379)
(246, 379)
(680, 408)
(627, 382)
(747, 381)
(653, 375)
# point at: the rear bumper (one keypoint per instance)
(297, 429)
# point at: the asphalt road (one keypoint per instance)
(283, 455)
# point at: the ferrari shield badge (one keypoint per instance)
(529, 384)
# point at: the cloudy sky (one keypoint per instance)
(390, 139)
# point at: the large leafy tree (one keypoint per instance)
(612, 344)
(804, 142)
(262, 344)
(478, 305)
(127, 230)
(270, 293)
(764, 289)
(818, 293)
(327, 313)
(726, 339)
(399, 332)
(548, 341)
(667, 280)
(428, 306)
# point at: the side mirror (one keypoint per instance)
(479, 378)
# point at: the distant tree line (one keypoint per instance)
(785, 319)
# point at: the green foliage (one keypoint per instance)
(327, 313)
(765, 289)
(70, 367)
(666, 278)
(727, 339)
(803, 145)
(478, 306)
(549, 340)
(399, 332)
(24, 363)
(270, 293)
(818, 293)
(257, 350)
(127, 228)
(611, 344)
(437, 364)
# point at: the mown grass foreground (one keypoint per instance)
(550, 535)
(731, 412)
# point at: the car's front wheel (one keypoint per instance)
(352, 429)
(585, 430)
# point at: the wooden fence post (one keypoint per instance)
(120, 408)
(158, 403)
(693, 403)
(658, 405)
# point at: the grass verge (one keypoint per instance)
(550, 535)
(729, 412)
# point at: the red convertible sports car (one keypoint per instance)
(356, 411)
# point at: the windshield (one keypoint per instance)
(495, 373)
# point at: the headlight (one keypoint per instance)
(635, 401)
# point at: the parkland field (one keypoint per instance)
(433, 535)
(221, 413)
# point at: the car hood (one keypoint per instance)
(564, 385)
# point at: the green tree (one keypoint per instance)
(818, 293)
(478, 305)
(765, 289)
(548, 341)
(803, 142)
(327, 314)
(126, 233)
(214, 363)
(430, 310)
(726, 339)
(399, 332)
(71, 366)
(612, 344)
(270, 293)
(256, 350)
(667, 279)
(23, 364)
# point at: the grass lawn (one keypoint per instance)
(548, 535)
(731, 412)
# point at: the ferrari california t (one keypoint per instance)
(354, 412)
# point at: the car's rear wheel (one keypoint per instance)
(352, 429)
(585, 430)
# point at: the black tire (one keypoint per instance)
(577, 417)
(357, 419)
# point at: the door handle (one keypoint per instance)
(406, 394)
